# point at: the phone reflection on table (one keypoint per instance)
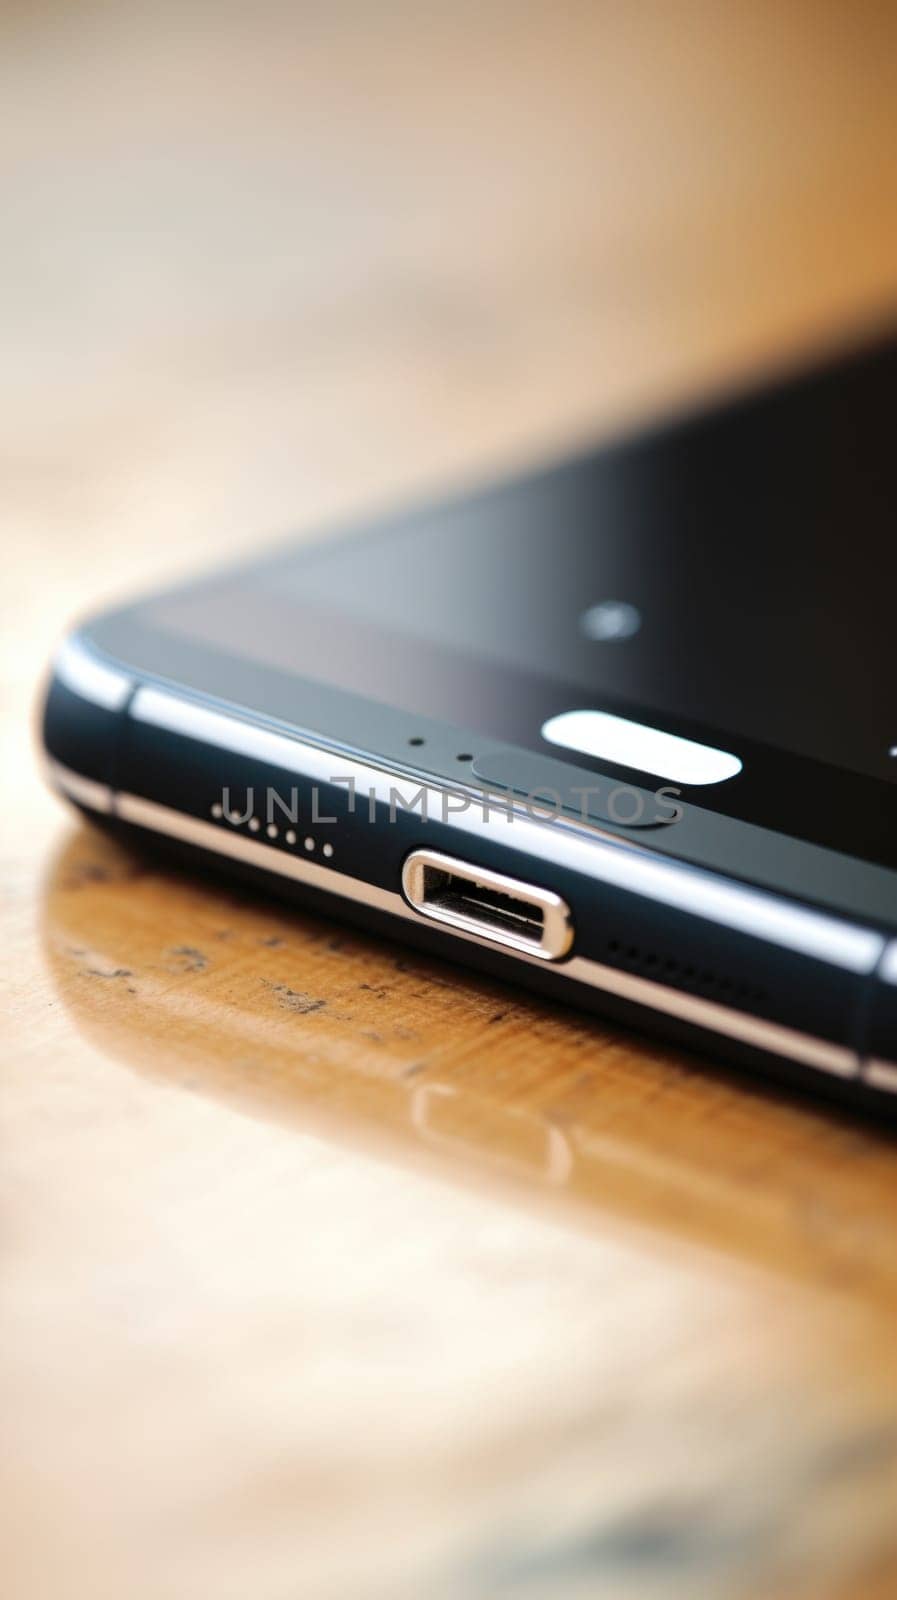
(301, 1021)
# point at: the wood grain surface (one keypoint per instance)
(327, 1270)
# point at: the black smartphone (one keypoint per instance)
(622, 730)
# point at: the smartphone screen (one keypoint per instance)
(729, 580)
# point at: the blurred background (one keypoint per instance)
(264, 266)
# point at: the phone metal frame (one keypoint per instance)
(582, 844)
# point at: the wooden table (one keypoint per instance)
(328, 1271)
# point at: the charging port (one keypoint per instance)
(478, 901)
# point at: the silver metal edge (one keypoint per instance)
(762, 1035)
(880, 1074)
(87, 676)
(887, 970)
(86, 791)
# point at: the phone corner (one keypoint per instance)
(79, 714)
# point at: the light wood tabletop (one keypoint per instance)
(328, 1270)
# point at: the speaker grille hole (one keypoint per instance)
(684, 974)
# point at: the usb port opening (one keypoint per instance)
(489, 905)
(463, 895)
